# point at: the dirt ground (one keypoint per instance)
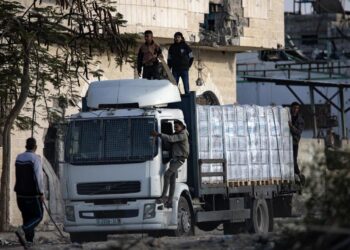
(202, 240)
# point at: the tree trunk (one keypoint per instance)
(6, 153)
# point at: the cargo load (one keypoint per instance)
(255, 142)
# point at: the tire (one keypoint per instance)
(87, 237)
(208, 226)
(185, 225)
(234, 228)
(261, 221)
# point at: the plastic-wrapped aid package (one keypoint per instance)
(254, 140)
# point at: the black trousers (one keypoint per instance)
(295, 158)
(32, 214)
(151, 72)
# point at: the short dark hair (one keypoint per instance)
(295, 104)
(148, 32)
(180, 123)
(30, 143)
(179, 34)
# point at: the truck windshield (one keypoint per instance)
(110, 140)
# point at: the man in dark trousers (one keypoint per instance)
(180, 150)
(180, 59)
(296, 126)
(30, 191)
(147, 58)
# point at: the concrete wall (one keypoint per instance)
(260, 22)
(164, 17)
(266, 23)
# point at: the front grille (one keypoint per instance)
(119, 187)
(106, 214)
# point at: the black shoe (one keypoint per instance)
(160, 201)
(168, 204)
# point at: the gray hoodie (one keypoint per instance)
(179, 143)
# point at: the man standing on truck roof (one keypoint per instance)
(147, 58)
(296, 126)
(30, 192)
(180, 151)
(180, 59)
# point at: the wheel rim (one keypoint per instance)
(260, 222)
(185, 221)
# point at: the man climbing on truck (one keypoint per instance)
(179, 152)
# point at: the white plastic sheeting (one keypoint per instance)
(255, 141)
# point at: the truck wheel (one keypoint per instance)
(87, 237)
(260, 221)
(185, 225)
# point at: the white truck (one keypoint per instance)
(113, 170)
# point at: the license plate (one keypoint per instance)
(110, 221)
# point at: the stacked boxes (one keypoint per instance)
(255, 141)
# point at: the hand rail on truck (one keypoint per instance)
(213, 174)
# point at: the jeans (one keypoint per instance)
(32, 213)
(185, 79)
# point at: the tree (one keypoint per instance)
(50, 43)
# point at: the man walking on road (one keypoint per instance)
(30, 192)
(180, 150)
(180, 59)
(296, 126)
(147, 58)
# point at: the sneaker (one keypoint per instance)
(21, 237)
(160, 200)
(168, 204)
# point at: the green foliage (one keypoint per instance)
(64, 37)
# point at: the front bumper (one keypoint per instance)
(126, 221)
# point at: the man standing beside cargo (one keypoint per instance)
(30, 192)
(180, 151)
(296, 126)
(147, 58)
(180, 59)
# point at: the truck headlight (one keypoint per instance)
(149, 211)
(70, 213)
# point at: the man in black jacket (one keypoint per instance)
(296, 126)
(180, 59)
(30, 192)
